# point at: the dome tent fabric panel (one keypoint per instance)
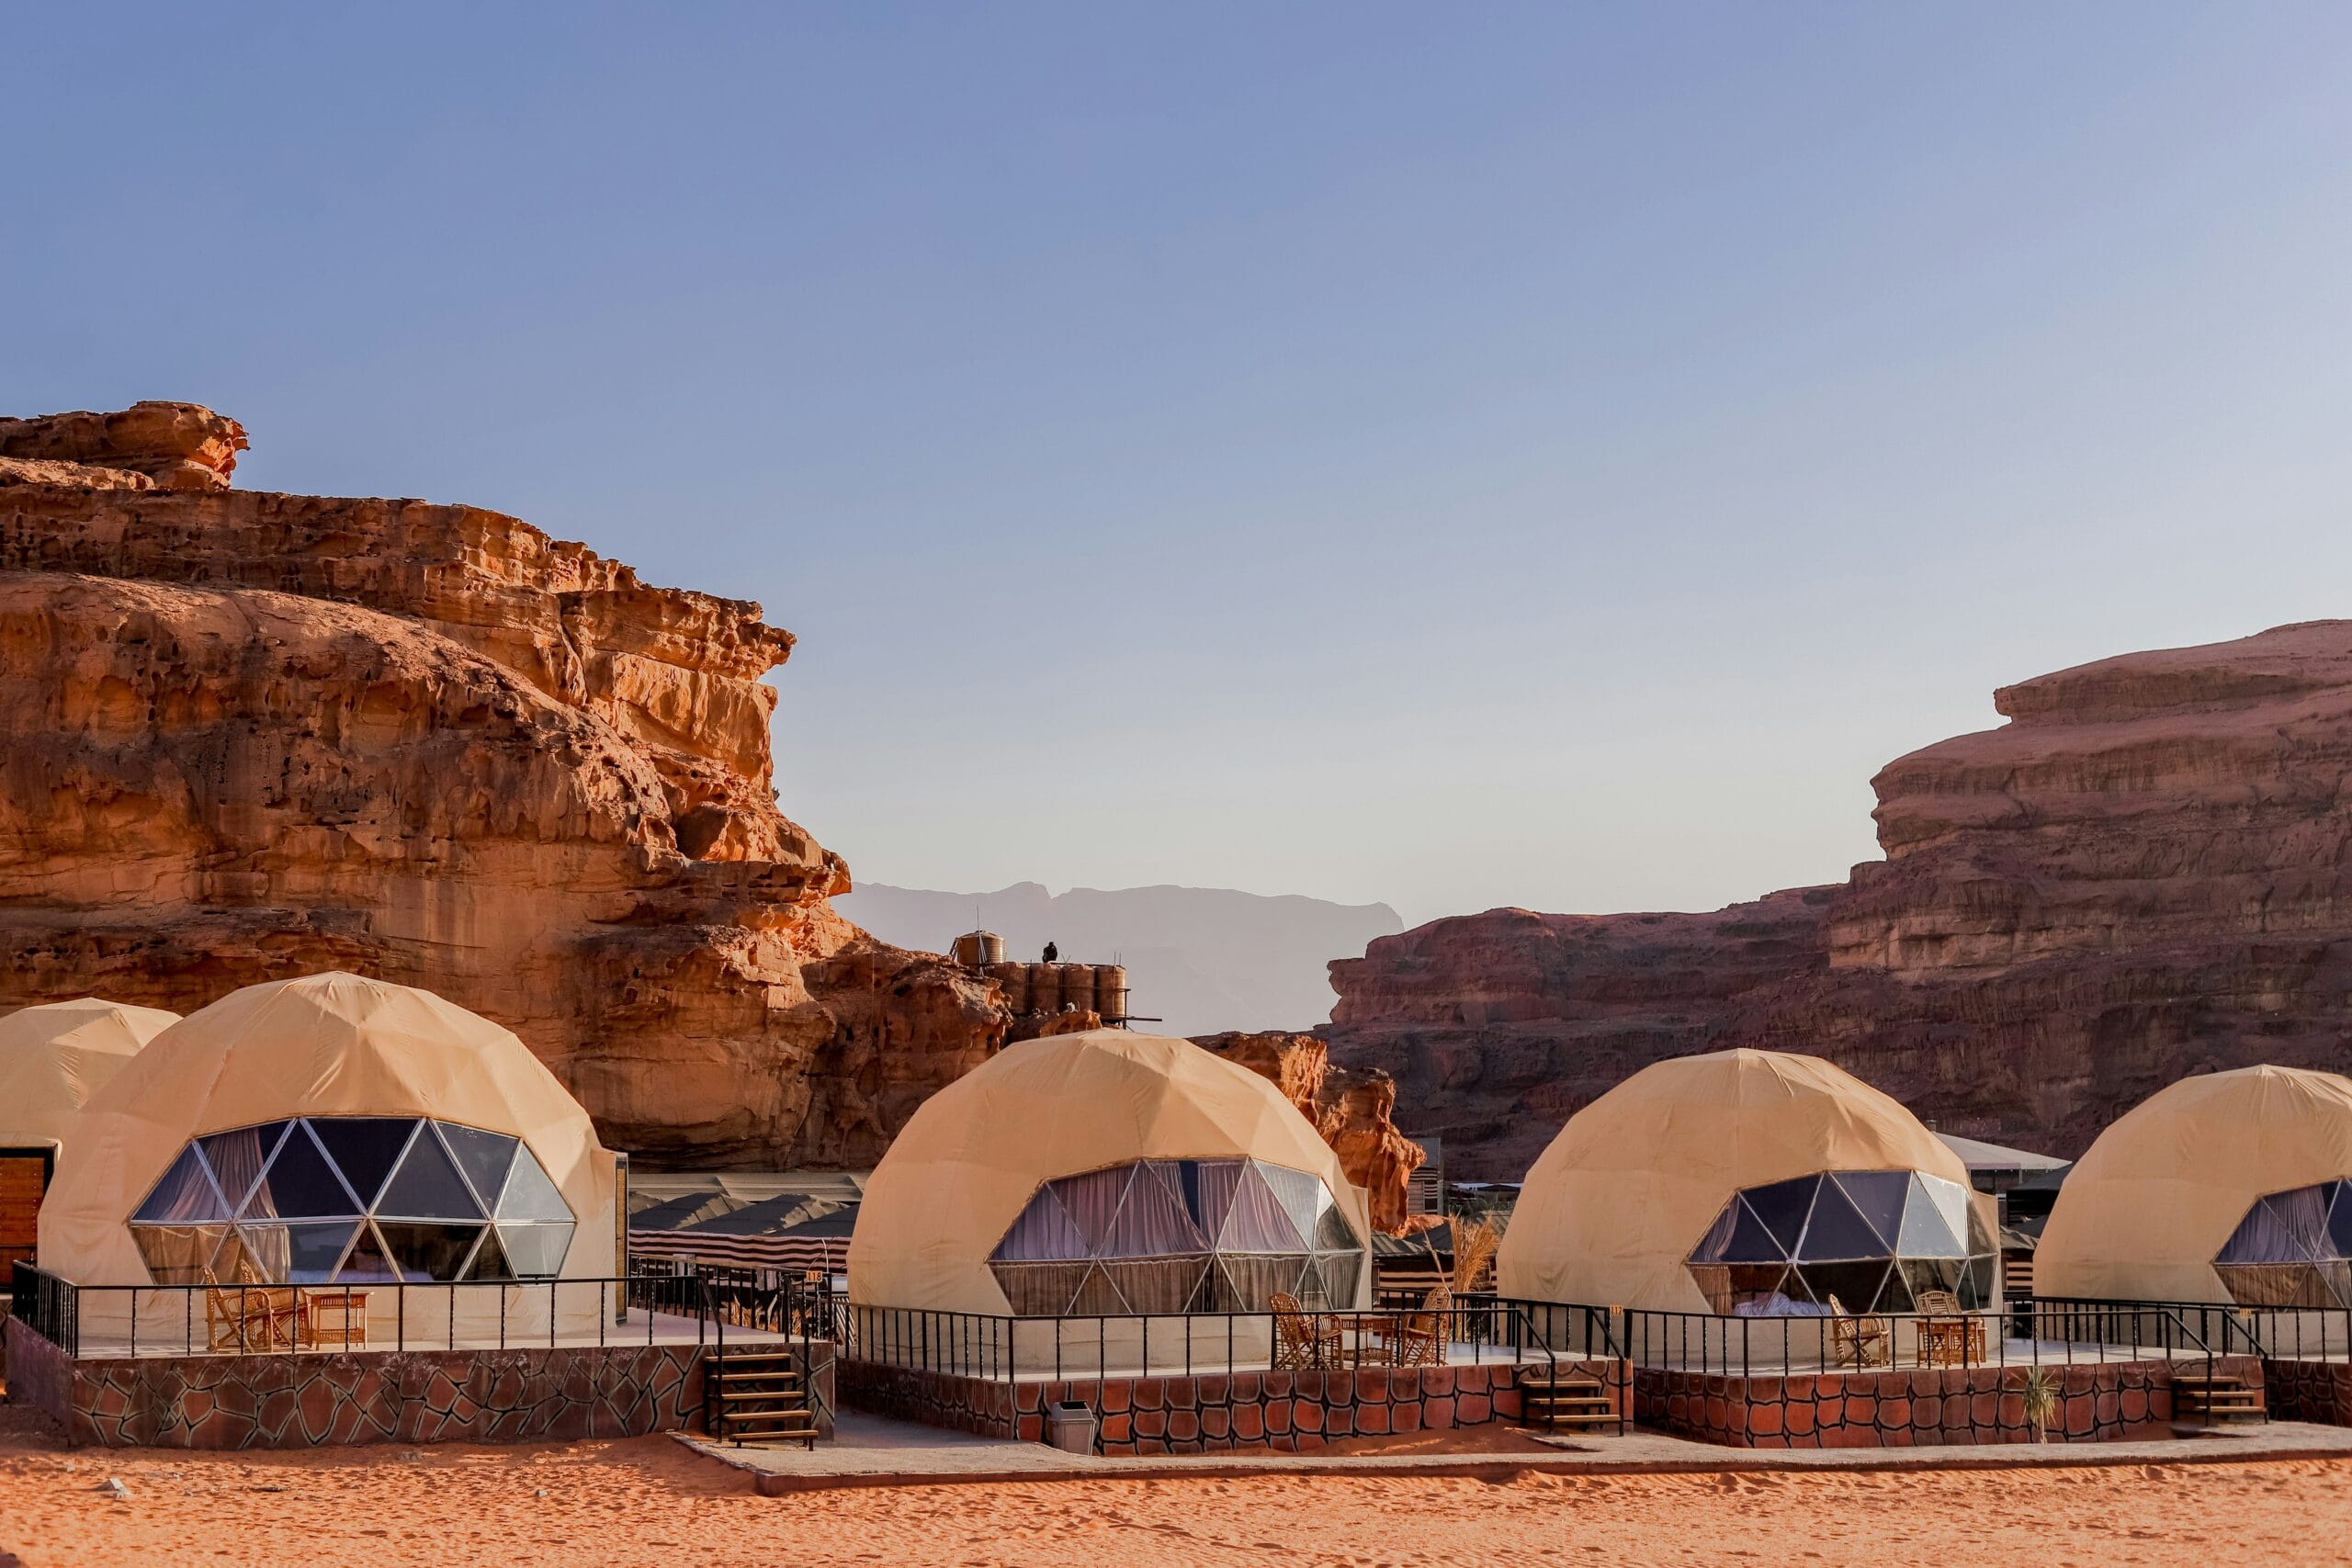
(331, 1045)
(55, 1056)
(973, 1156)
(1638, 1181)
(2158, 1196)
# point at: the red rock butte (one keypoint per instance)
(255, 735)
(2141, 876)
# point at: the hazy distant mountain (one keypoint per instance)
(1201, 958)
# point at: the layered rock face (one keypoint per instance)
(1354, 1112)
(2142, 875)
(256, 735)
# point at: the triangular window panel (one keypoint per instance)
(1914, 1276)
(2339, 1220)
(1782, 1206)
(367, 1262)
(1296, 1192)
(529, 1194)
(364, 1148)
(186, 1195)
(1157, 1285)
(1215, 1293)
(1333, 1234)
(1950, 1200)
(490, 1261)
(2263, 1237)
(1152, 1222)
(1041, 1232)
(1097, 1296)
(1257, 1222)
(483, 1157)
(1836, 1230)
(177, 1254)
(1977, 1282)
(2303, 1212)
(1092, 1200)
(1339, 1271)
(1258, 1277)
(1039, 1290)
(1212, 1185)
(1755, 1290)
(1878, 1196)
(313, 1252)
(427, 1186)
(1855, 1286)
(2274, 1284)
(237, 1158)
(425, 1251)
(300, 1185)
(1750, 1240)
(1924, 1232)
(535, 1251)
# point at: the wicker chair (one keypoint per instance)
(251, 1315)
(1301, 1341)
(1857, 1341)
(1422, 1337)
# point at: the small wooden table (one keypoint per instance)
(336, 1317)
(1369, 1339)
(1950, 1341)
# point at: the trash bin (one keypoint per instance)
(1069, 1427)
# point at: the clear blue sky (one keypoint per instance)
(1452, 455)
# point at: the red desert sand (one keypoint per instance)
(650, 1501)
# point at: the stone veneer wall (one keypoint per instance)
(315, 1400)
(2308, 1390)
(1290, 1411)
(1904, 1409)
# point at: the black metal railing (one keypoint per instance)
(2059, 1334)
(650, 1305)
(2287, 1333)
(1001, 1349)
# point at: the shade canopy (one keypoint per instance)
(55, 1055)
(296, 1106)
(1056, 1135)
(2163, 1194)
(1715, 1160)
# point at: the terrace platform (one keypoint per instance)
(557, 1388)
(871, 1451)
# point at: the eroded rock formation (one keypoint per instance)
(2142, 875)
(1354, 1112)
(255, 735)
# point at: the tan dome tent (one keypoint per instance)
(336, 1130)
(2230, 1188)
(1747, 1183)
(53, 1057)
(1110, 1175)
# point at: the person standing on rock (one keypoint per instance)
(1052, 953)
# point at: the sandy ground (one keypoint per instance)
(651, 1501)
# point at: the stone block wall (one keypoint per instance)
(1204, 1411)
(319, 1400)
(2308, 1390)
(1908, 1408)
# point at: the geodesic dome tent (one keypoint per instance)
(334, 1129)
(1108, 1174)
(1750, 1184)
(55, 1055)
(2230, 1187)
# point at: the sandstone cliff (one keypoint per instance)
(254, 735)
(2142, 875)
(1354, 1112)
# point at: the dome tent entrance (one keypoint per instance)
(245, 1132)
(1747, 1181)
